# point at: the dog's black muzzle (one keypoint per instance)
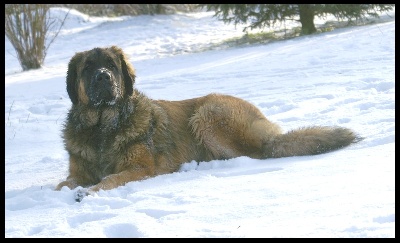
(102, 88)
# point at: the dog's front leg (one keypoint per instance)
(113, 181)
(138, 164)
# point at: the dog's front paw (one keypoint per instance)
(70, 183)
(80, 194)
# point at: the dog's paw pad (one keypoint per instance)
(80, 194)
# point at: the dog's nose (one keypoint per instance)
(103, 75)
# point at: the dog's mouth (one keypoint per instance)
(104, 96)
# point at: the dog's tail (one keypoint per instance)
(310, 141)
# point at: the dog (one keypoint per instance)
(114, 134)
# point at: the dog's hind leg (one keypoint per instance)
(230, 127)
(209, 126)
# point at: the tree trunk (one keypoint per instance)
(29, 62)
(307, 19)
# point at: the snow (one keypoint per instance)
(341, 78)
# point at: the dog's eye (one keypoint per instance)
(111, 65)
(86, 67)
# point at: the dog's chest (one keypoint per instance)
(105, 150)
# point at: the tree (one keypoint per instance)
(27, 27)
(261, 15)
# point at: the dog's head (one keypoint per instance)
(99, 77)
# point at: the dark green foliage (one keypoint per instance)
(261, 15)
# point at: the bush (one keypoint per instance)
(27, 28)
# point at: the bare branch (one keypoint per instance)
(27, 27)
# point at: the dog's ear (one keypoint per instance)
(72, 75)
(128, 71)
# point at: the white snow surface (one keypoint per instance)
(345, 77)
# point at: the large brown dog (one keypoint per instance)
(114, 134)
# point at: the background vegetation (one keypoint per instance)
(31, 29)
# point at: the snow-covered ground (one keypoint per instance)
(345, 77)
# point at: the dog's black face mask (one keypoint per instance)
(102, 78)
(103, 88)
(99, 77)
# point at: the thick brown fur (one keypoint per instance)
(114, 134)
